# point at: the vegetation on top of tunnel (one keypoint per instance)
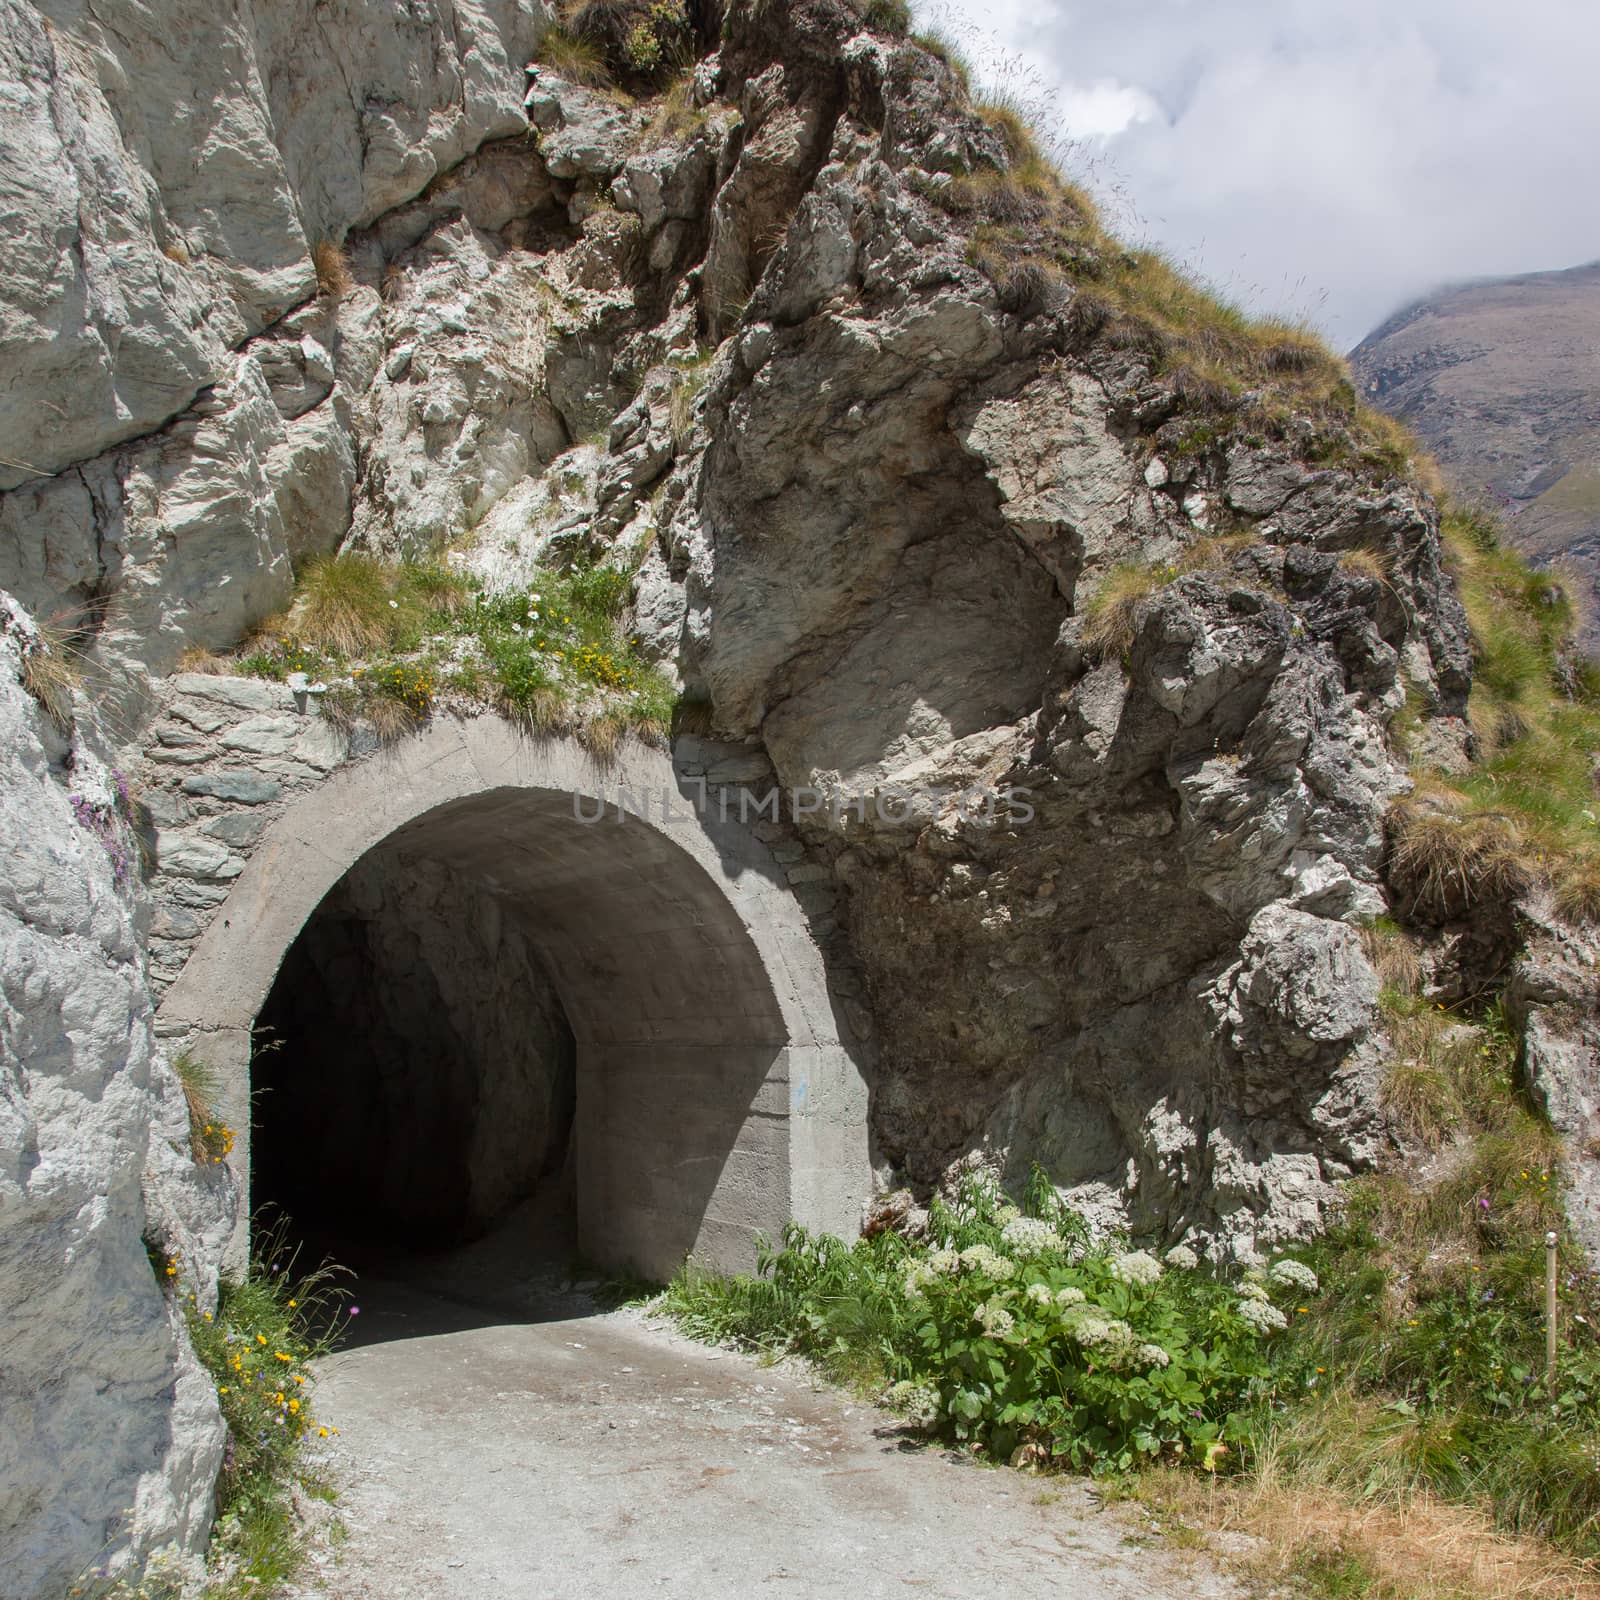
(395, 639)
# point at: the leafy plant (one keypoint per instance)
(1007, 1331)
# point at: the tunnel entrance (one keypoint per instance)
(415, 1075)
(435, 991)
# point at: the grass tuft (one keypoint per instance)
(332, 264)
(576, 59)
(51, 673)
(211, 1140)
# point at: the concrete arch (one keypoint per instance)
(716, 1097)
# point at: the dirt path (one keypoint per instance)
(605, 1455)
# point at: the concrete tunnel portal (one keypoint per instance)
(436, 992)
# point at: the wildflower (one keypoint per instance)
(1214, 1452)
(944, 1261)
(1262, 1315)
(1070, 1296)
(994, 1319)
(1182, 1257)
(1250, 1290)
(322, 1433)
(1040, 1295)
(1290, 1274)
(1152, 1355)
(1030, 1237)
(261, 1338)
(917, 1401)
(1136, 1267)
(1093, 1329)
(981, 1259)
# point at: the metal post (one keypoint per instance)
(1550, 1242)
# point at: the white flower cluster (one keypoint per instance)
(1040, 1294)
(1006, 1214)
(1291, 1274)
(1183, 1258)
(945, 1261)
(1262, 1315)
(1070, 1297)
(980, 1258)
(1094, 1330)
(1030, 1237)
(1250, 1289)
(994, 1319)
(1152, 1355)
(918, 1402)
(1136, 1267)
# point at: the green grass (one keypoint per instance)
(257, 1347)
(1528, 812)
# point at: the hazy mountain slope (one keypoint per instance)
(1502, 379)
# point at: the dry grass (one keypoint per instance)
(390, 717)
(1396, 957)
(677, 116)
(1111, 616)
(543, 712)
(576, 59)
(348, 604)
(1326, 1543)
(602, 735)
(1577, 887)
(1447, 854)
(1111, 613)
(208, 664)
(334, 277)
(52, 673)
(1365, 562)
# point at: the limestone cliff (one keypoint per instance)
(879, 489)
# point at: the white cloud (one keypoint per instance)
(1103, 110)
(1334, 159)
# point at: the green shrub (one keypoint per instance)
(888, 16)
(640, 41)
(1008, 1332)
(281, 656)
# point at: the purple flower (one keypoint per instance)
(355, 1311)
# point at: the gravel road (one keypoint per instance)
(605, 1455)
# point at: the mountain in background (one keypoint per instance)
(1501, 378)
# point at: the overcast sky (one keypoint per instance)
(1333, 158)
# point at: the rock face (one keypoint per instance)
(876, 503)
(113, 1439)
(1502, 379)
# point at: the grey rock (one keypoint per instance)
(248, 788)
